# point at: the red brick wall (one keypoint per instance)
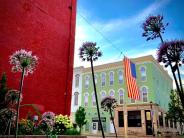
(47, 28)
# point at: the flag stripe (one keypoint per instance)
(130, 74)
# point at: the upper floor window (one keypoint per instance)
(111, 78)
(132, 100)
(93, 100)
(95, 79)
(143, 73)
(144, 94)
(120, 77)
(111, 93)
(103, 79)
(103, 95)
(86, 99)
(87, 82)
(76, 98)
(121, 97)
(77, 80)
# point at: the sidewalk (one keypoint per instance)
(132, 136)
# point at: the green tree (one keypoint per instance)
(175, 111)
(108, 104)
(80, 117)
(89, 52)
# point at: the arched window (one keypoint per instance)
(111, 93)
(103, 95)
(95, 78)
(76, 98)
(144, 94)
(87, 82)
(77, 80)
(93, 100)
(143, 73)
(120, 77)
(86, 99)
(111, 78)
(103, 79)
(121, 97)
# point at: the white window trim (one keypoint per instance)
(142, 93)
(141, 74)
(92, 99)
(122, 77)
(113, 78)
(119, 95)
(86, 93)
(101, 78)
(75, 99)
(88, 82)
(101, 94)
(113, 91)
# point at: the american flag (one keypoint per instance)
(130, 77)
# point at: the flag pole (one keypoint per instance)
(125, 118)
(125, 112)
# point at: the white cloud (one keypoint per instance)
(117, 24)
(85, 32)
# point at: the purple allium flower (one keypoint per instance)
(49, 119)
(108, 103)
(89, 50)
(12, 97)
(172, 51)
(23, 59)
(153, 27)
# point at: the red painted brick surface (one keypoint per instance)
(47, 28)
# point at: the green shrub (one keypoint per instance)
(72, 131)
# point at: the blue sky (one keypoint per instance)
(119, 21)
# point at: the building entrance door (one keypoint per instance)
(94, 127)
(148, 121)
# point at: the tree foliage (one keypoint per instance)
(175, 111)
(80, 117)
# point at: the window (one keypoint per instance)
(121, 97)
(120, 119)
(103, 79)
(93, 100)
(111, 93)
(76, 96)
(120, 77)
(134, 118)
(166, 122)
(103, 95)
(87, 82)
(144, 94)
(95, 79)
(160, 118)
(77, 80)
(86, 99)
(143, 73)
(111, 78)
(132, 100)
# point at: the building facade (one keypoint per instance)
(142, 117)
(47, 28)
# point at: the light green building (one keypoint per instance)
(141, 116)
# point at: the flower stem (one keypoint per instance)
(96, 97)
(179, 88)
(112, 118)
(18, 102)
